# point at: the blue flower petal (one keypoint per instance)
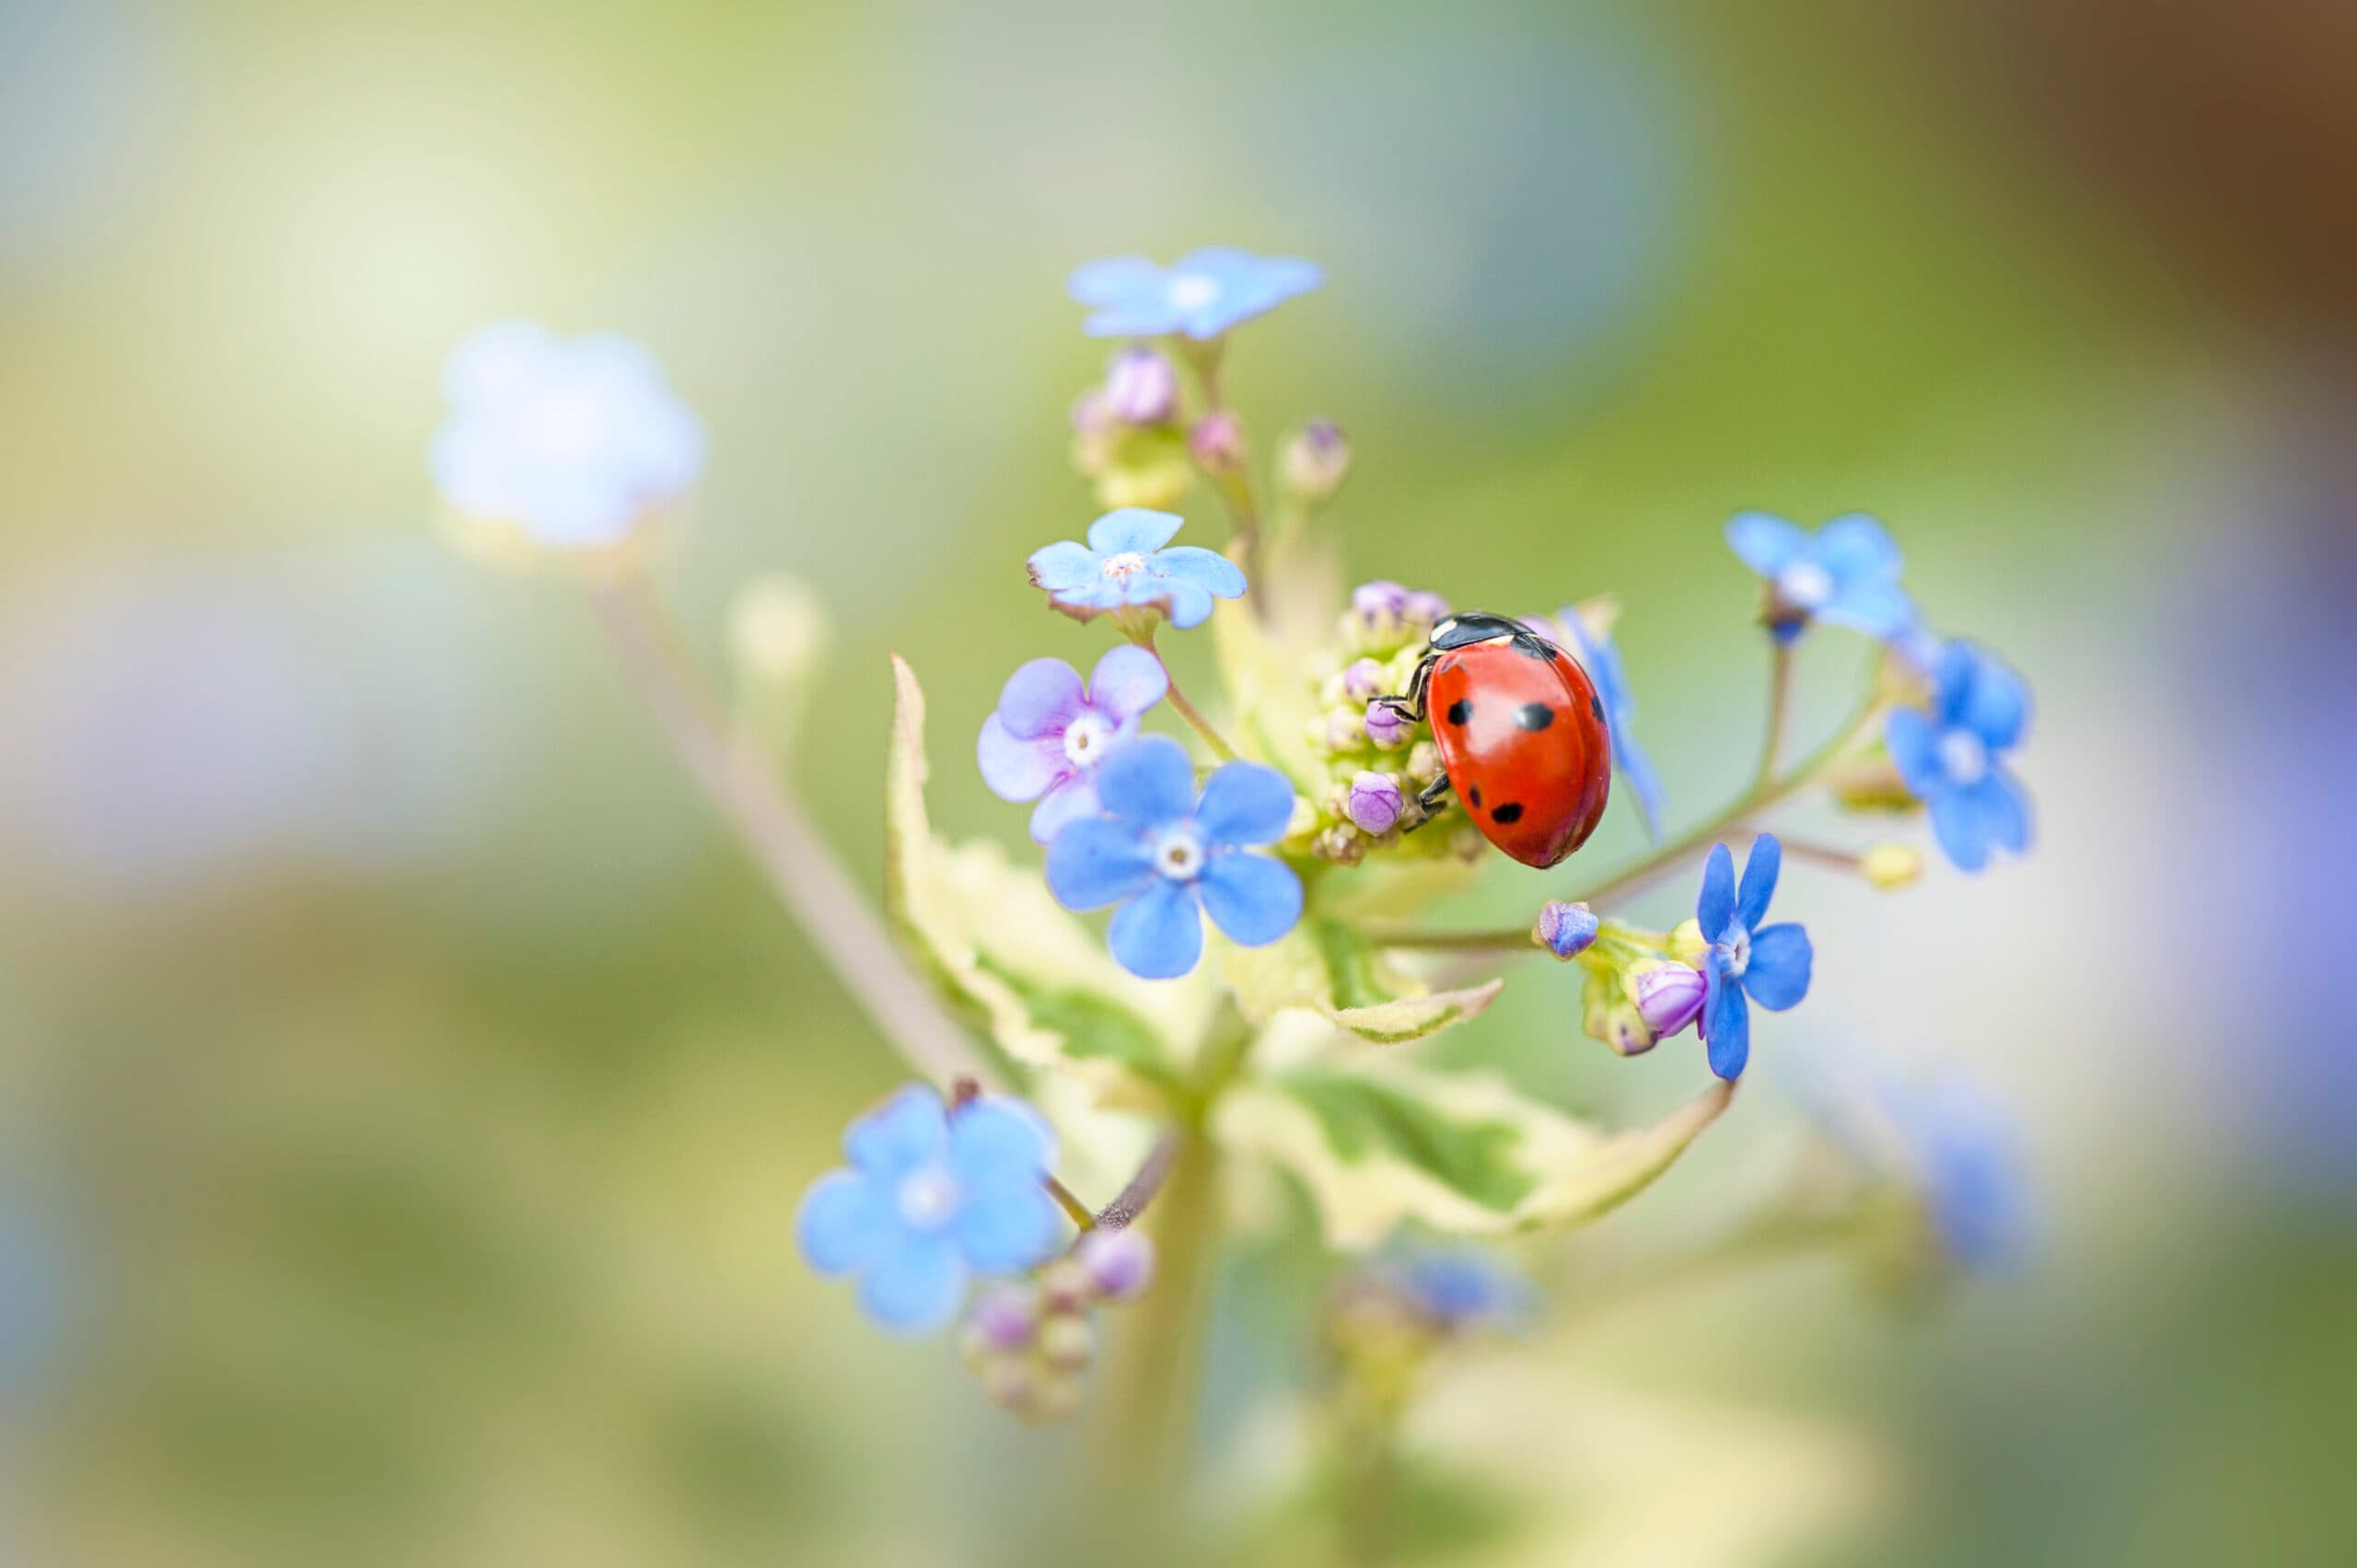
(1765, 542)
(844, 1220)
(1878, 609)
(2003, 807)
(1646, 784)
(1856, 549)
(1253, 898)
(1097, 861)
(1017, 770)
(1759, 873)
(1042, 697)
(1715, 911)
(1065, 567)
(1069, 802)
(1128, 529)
(1914, 742)
(997, 1137)
(1148, 783)
(1113, 278)
(1207, 569)
(895, 1138)
(1963, 831)
(1126, 682)
(1726, 1027)
(1781, 957)
(1952, 681)
(1244, 803)
(917, 1285)
(1185, 603)
(1995, 704)
(1159, 934)
(1007, 1226)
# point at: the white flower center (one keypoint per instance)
(1736, 949)
(1178, 856)
(1122, 567)
(1192, 291)
(929, 1199)
(1085, 740)
(1964, 757)
(1804, 585)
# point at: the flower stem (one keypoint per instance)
(1235, 488)
(1202, 725)
(1780, 705)
(1149, 1390)
(1769, 792)
(801, 870)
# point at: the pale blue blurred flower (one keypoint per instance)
(1598, 656)
(1125, 562)
(1953, 758)
(931, 1198)
(573, 441)
(1846, 572)
(1201, 295)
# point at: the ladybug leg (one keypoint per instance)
(1411, 707)
(1429, 798)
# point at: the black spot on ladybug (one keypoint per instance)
(1459, 710)
(1507, 815)
(1596, 709)
(1475, 797)
(1534, 715)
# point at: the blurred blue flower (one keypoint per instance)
(1458, 1289)
(1049, 733)
(931, 1198)
(1846, 572)
(573, 442)
(1594, 650)
(1746, 962)
(1202, 295)
(1965, 1157)
(1124, 563)
(1951, 757)
(1168, 857)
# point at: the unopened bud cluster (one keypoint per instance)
(1126, 436)
(1031, 1344)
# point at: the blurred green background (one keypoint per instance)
(405, 1087)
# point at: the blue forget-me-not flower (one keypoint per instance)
(1964, 1154)
(1049, 732)
(1168, 857)
(931, 1198)
(1951, 757)
(573, 441)
(1126, 563)
(1746, 962)
(1200, 296)
(1845, 572)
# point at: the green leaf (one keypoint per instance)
(1330, 968)
(995, 942)
(1380, 1140)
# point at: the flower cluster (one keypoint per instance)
(1031, 1344)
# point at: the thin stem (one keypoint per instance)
(1780, 707)
(1766, 1238)
(801, 870)
(1149, 1410)
(1202, 725)
(1074, 1210)
(1131, 1201)
(1235, 488)
(1623, 883)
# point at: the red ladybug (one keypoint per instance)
(1520, 733)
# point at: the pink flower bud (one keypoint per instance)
(1373, 601)
(1120, 1263)
(1315, 462)
(1669, 997)
(1141, 388)
(1376, 801)
(1217, 443)
(1003, 1320)
(1363, 679)
(1386, 726)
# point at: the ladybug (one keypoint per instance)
(1520, 731)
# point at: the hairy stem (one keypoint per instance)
(1780, 705)
(801, 870)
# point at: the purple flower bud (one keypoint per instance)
(1063, 1286)
(1373, 601)
(1090, 414)
(1141, 388)
(1363, 679)
(1120, 1263)
(1669, 997)
(1376, 801)
(1565, 930)
(1429, 608)
(1217, 443)
(1315, 460)
(1004, 1319)
(1386, 726)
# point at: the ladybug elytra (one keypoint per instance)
(1520, 733)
